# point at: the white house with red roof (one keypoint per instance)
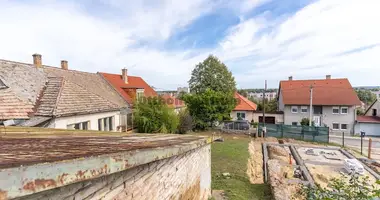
(244, 109)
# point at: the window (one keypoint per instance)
(335, 126)
(344, 110)
(343, 126)
(139, 93)
(303, 109)
(79, 126)
(294, 123)
(240, 115)
(374, 112)
(335, 110)
(294, 109)
(106, 124)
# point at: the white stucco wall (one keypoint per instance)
(62, 122)
(248, 115)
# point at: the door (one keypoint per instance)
(317, 120)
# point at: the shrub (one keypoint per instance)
(305, 122)
(185, 122)
(153, 116)
(356, 188)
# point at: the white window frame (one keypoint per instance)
(341, 110)
(337, 108)
(342, 128)
(245, 115)
(304, 107)
(291, 109)
(333, 126)
(106, 127)
(139, 94)
(71, 126)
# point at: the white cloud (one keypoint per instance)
(307, 44)
(314, 37)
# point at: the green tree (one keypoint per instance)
(212, 74)
(185, 122)
(356, 188)
(270, 106)
(360, 111)
(243, 92)
(366, 96)
(208, 107)
(152, 115)
(305, 122)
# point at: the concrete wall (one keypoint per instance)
(184, 176)
(327, 118)
(375, 106)
(62, 122)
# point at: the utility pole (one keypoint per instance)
(265, 88)
(311, 105)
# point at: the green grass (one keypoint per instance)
(232, 156)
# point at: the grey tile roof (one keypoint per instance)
(53, 91)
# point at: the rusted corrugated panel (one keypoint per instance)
(36, 165)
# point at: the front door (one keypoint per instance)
(317, 120)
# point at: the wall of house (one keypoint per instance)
(248, 115)
(280, 103)
(327, 118)
(62, 122)
(374, 106)
(183, 176)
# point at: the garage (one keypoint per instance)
(368, 124)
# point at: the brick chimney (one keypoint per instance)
(328, 76)
(290, 78)
(37, 60)
(124, 75)
(64, 65)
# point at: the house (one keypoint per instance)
(334, 103)
(244, 108)
(40, 95)
(129, 87)
(173, 102)
(370, 122)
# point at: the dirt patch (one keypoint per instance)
(255, 163)
(219, 195)
(281, 189)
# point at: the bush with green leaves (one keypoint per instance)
(305, 122)
(152, 115)
(357, 188)
(185, 122)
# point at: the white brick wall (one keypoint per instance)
(185, 176)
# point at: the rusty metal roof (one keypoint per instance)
(31, 165)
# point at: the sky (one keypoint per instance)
(163, 40)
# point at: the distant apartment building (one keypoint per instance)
(183, 89)
(259, 95)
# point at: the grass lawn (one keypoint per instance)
(231, 156)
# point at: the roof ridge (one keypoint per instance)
(245, 100)
(120, 75)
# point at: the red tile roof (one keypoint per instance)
(172, 102)
(368, 119)
(325, 92)
(244, 103)
(133, 82)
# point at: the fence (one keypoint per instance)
(307, 133)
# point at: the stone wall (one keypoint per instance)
(185, 176)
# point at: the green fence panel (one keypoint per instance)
(307, 133)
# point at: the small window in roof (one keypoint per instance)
(2, 85)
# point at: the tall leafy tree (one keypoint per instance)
(212, 88)
(212, 74)
(366, 96)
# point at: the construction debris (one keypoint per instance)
(353, 166)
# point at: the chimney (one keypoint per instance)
(64, 65)
(328, 76)
(37, 60)
(290, 78)
(124, 75)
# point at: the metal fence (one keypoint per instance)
(307, 133)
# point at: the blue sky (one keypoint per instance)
(163, 40)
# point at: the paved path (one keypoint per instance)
(354, 142)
